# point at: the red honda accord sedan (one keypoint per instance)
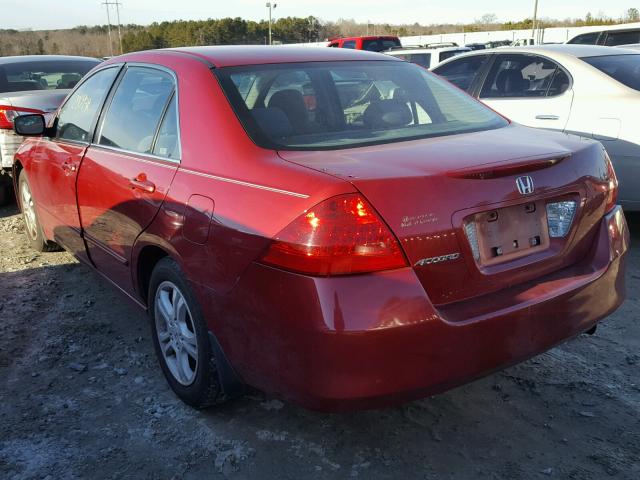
(340, 228)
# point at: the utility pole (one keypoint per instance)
(535, 18)
(117, 4)
(271, 6)
(118, 18)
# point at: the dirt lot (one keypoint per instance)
(81, 396)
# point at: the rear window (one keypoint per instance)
(333, 105)
(623, 68)
(43, 74)
(451, 53)
(380, 45)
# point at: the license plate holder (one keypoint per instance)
(509, 233)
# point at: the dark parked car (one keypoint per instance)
(608, 37)
(338, 227)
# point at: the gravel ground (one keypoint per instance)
(81, 396)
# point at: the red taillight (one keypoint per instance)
(612, 188)
(8, 115)
(339, 236)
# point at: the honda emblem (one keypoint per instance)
(525, 185)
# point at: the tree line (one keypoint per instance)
(93, 40)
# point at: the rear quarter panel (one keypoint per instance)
(254, 193)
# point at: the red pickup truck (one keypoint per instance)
(373, 43)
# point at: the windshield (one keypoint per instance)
(332, 105)
(623, 68)
(43, 74)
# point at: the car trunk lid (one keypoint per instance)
(428, 191)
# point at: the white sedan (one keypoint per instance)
(589, 90)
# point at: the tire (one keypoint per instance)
(6, 190)
(32, 228)
(192, 375)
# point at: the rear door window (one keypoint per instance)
(520, 76)
(133, 116)
(623, 68)
(622, 38)
(80, 111)
(463, 72)
(167, 144)
(349, 44)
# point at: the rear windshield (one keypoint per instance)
(451, 53)
(380, 44)
(333, 105)
(43, 74)
(624, 68)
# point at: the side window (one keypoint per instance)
(586, 39)
(422, 59)
(168, 142)
(79, 113)
(135, 110)
(559, 84)
(463, 72)
(349, 44)
(519, 76)
(622, 38)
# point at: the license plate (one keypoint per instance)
(508, 233)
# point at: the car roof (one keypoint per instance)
(43, 58)
(239, 55)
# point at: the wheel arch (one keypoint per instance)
(15, 172)
(147, 258)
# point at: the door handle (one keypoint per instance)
(141, 183)
(547, 117)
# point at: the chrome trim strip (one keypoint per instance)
(245, 184)
(168, 163)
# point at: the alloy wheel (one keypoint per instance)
(176, 333)
(29, 211)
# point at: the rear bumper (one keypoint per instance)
(373, 340)
(9, 143)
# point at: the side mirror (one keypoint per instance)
(32, 125)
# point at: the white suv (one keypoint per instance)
(428, 56)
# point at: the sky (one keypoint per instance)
(52, 14)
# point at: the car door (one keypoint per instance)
(127, 170)
(465, 72)
(59, 158)
(529, 89)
